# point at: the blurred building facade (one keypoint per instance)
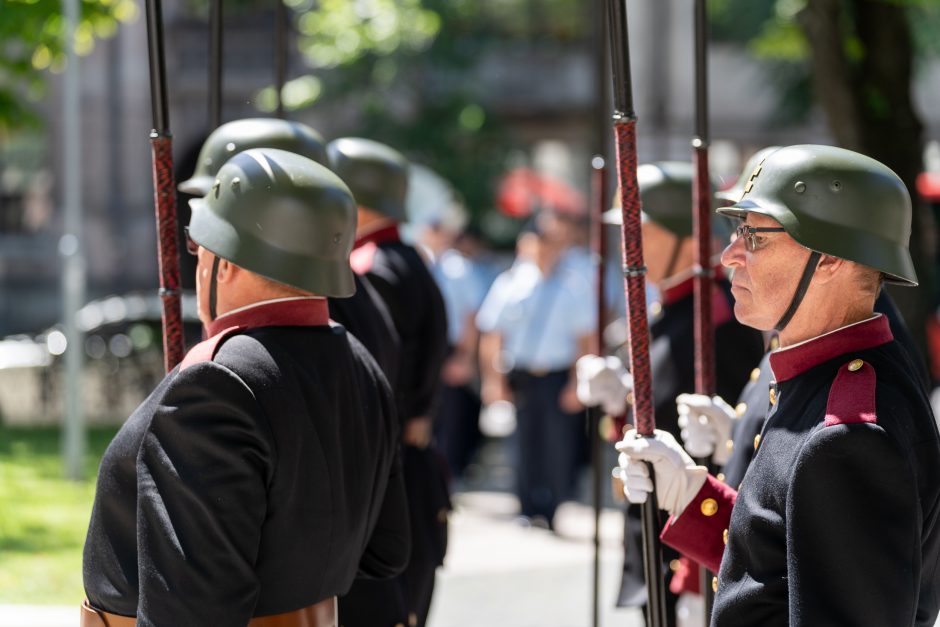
(545, 91)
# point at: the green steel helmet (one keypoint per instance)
(733, 194)
(835, 202)
(377, 174)
(666, 198)
(239, 135)
(283, 216)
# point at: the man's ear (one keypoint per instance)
(226, 272)
(829, 267)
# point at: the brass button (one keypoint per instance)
(756, 441)
(740, 409)
(674, 565)
(773, 396)
(412, 619)
(709, 507)
(856, 365)
(729, 444)
(399, 624)
(724, 536)
(755, 373)
(714, 584)
(442, 515)
(774, 343)
(720, 476)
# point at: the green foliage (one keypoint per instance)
(32, 41)
(43, 517)
(407, 66)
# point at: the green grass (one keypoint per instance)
(43, 517)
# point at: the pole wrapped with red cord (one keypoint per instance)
(634, 272)
(164, 192)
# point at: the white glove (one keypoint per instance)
(678, 479)
(706, 424)
(605, 382)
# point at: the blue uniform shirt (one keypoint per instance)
(539, 317)
(463, 285)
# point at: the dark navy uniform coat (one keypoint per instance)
(259, 477)
(366, 317)
(836, 521)
(404, 283)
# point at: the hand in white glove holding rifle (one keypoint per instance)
(604, 382)
(706, 423)
(678, 479)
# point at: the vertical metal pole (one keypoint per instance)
(215, 64)
(598, 249)
(634, 273)
(701, 231)
(164, 192)
(70, 249)
(280, 54)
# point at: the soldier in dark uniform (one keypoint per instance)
(666, 201)
(836, 521)
(378, 176)
(263, 473)
(363, 314)
(729, 436)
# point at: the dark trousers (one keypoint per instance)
(550, 442)
(457, 426)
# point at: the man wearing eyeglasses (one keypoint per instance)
(836, 521)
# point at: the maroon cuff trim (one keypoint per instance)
(795, 360)
(852, 395)
(696, 533)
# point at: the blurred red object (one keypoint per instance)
(928, 186)
(522, 192)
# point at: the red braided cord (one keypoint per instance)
(164, 193)
(634, 284)
(701, 232)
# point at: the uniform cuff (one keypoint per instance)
(700, 530)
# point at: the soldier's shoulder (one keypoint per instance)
(852, 394)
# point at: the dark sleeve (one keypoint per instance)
(202, 472)
(389, 547)
(433, 343)
(853, 531)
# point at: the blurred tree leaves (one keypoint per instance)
(409, 65)
(32, 43)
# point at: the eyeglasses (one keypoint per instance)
(191, 247)
(751, 240)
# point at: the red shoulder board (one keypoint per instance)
(852, 395)
(205, 350)
(362, 258)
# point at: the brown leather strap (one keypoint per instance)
(322, 614)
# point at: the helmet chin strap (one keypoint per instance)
(673, 258)
(213, 288)
(801, 288)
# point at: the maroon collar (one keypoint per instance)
(789, 362)
(296, 312)
(381, 236)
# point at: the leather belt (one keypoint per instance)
(322, 614)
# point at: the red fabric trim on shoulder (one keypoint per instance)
(362, 258)
(852, 395)
(206, 349)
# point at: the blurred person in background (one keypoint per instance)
(378, 177)
(535, 321)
